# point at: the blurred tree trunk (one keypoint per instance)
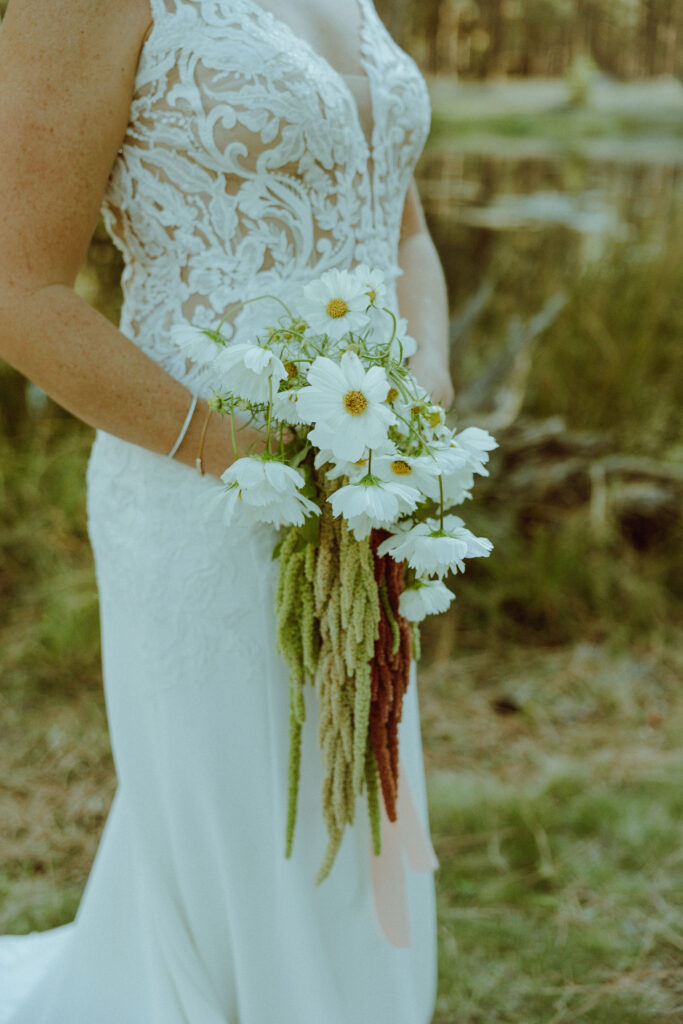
(432, 23)
(397, 17)
(496, 26)
(650, 22)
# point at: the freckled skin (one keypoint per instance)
(67, 70)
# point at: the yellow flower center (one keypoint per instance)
(291, 369)
(360, 462)
(371, 294)
(392, 394)
(434, 418)
(400, 467)
(336, 308)
(355, 402)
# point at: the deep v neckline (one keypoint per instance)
(274, 20)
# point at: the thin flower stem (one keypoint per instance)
(245, 302)
(232, 429)
(269, 414)
(440, 501)
(394, 321)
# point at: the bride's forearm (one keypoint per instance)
(423, 301)
(91, 369)
(422, 296)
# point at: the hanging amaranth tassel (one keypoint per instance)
(297, 642)
(347, 608)
(338, 627)
(390, 673)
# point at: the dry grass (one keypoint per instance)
(58, 783)
(556, 801)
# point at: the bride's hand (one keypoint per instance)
(433, 374)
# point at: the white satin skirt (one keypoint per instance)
(192, 914)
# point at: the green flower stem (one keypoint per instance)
(269, 414)
(440, 501)
(232, 429)
(276, 298)
(395, 323)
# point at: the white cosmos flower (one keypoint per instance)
(250, 371)
(194, 343)
(434, 423)
(421, 471)
(432, 551)
(372, 503)
(416, 406)
(334, 304)
(372, 282)
(269, 490)
(286, 407)
(341, 467)
(347, 405)
(457, 486)
(424, 597)
(456, 465)
(353, 470)
(476, 443)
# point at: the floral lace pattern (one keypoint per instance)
(245, 169)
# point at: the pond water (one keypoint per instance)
(547, 213)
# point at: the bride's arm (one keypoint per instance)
(423, 301)
(67, 71)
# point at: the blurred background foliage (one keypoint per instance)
(551, 692)
(482, 38)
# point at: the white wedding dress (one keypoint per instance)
(249, 167)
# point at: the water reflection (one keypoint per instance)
(531, 221)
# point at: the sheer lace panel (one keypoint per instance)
(251, 165)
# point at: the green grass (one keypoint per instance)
(559, 830)
(611, 361)
(563, 126)
(49, 635)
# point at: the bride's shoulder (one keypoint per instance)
(67, 28)
(67, 74)
(79, 49)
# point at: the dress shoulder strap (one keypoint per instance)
(165, 13)
(159, 8)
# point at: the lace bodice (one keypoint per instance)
(246, 169)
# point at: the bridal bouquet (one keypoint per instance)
(362, 474)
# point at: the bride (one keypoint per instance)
(235, 148)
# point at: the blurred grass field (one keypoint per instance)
(551, 694)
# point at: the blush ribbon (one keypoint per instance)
(387, 870)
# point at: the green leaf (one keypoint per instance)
(309, 490)
(277, 549)
(310, 530)
(296, 460)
